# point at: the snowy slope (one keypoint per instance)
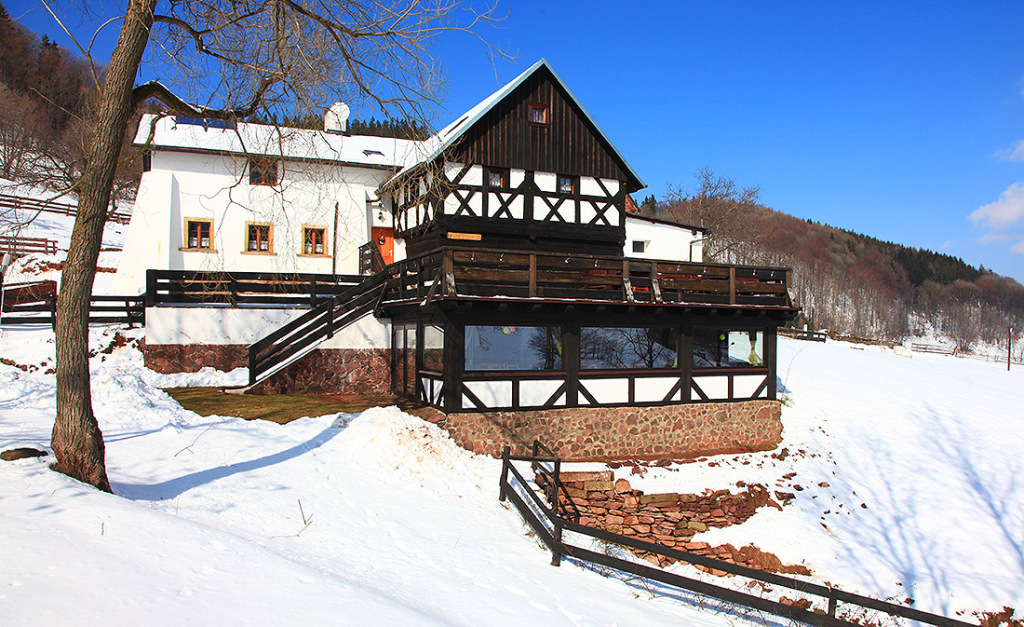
(406, 528)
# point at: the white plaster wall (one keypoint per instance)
(246, 325)
(536, 392)
(655, 389)
(146, 243)
(716, 387)
(490, 393)
(666, 241)
(589, 187)
(188, 185)
(606, 391)
(743, 386)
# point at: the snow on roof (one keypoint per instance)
(637, 216)
(437, 144)
(173, 132)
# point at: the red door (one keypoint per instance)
(385, 240)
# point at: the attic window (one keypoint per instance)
(262, 172)
(538, 114)
(497, 178)
(373, 153)
(639, 246)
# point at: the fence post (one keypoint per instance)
(312, 292)
(330, 318)
(504, 473)
(831, 603)
(53, 313)
(252, 366)
(556, 553)
(556, 483)
(128, 312)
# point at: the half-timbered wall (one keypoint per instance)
(568, 385)
(529, 202)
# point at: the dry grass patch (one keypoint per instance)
(279, 408)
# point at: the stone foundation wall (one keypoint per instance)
(363, 371)
(171, 358)
(609, 433)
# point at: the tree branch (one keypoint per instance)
(155, 89)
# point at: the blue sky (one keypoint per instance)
(897, 120)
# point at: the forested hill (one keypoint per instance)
(848, 282)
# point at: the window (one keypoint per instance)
(433, 347)
(313, 240)
(717, 348)
(262, 172)
(497, 178)
(639, 246)
(147, 161)
(538, 114)
(566, 184)
(629, 348)
(198, 234)
(259, 238)
(513, 348)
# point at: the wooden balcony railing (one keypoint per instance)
(464, 272)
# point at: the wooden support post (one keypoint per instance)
(556, 536)
(449, 273)
(312, 292)
(252, 366)
(330, 318)
(503, 482)
(533, 275)
(150, 288)
(627, 287)
(655, 286)
(732, 285)
(831, 604)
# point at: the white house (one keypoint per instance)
(255, 198)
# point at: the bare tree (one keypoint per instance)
(228, 59)
(722, 207)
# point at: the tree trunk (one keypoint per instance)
(77, 441)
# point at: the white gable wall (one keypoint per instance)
(183, 185)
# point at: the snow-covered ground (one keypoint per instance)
(29, 223)
(208, 522)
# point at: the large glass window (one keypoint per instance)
(513, 348)
(403, 343)
(433, 347)
(718, 348)
(603, 348)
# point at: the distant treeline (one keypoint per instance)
(849, 282)
(401, 129)
(44, 90)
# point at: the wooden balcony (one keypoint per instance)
(480, 274)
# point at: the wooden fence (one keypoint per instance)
(102, 310)
(803, 334)
(549, 523)
(19, 246)
(51, 206)
(178, 287)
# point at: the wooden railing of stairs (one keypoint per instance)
(303, 334)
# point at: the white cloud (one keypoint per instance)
(1018, 248)
(1013, 153)
(946, 244)
(1003, 213)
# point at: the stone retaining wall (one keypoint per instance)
(610, 433)
(362, 371)
(171, 358)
